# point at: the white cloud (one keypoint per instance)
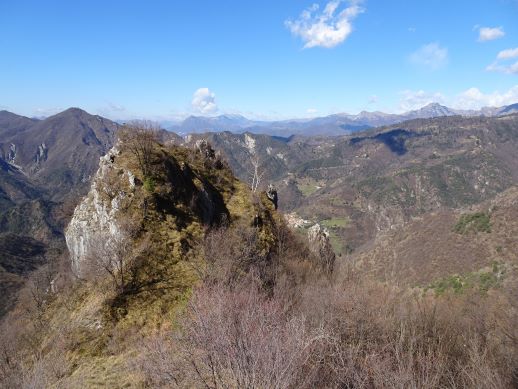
(490, 33)
(116, 107)
(508, 54)
(327, 28)
(112, 111)
(508, 69)
(312, 111)
(412, 100)
(373, 99)
(204, 101)
(432, 56)
(473, 98)
(502, 63)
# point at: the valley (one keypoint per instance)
(111, 249)
(367, 183)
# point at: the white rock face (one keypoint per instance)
(281, 156)
(11, 156)
(317, 236)
(250, 144)
(319, 244)
(96, 215)
(41, 154)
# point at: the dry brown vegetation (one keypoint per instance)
(350, 333)
(241, 302)
(140, 138)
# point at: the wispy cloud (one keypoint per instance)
(474, 98)
(373, 99)
(116, 107)
(431, 56)
(411, 100)
(508, 54)
(508, 69)
(204, 101)
(113, 111)
(327, 28)
(486, 34)
(504, 62)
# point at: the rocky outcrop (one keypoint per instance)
(320, 245)
(41, 154)
(11, 155)
(119, 203)
(272, 195)
(96, 216)
(203, 147)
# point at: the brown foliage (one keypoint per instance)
(22, 362)
(380, 336)
(113, 255)
(349, 333)
(236, 338)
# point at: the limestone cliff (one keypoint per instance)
(97, 214)
(320, 245)
(184, 190)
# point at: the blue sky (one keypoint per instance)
(264, 59)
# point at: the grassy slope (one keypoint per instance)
(442, 244)
(97, 330)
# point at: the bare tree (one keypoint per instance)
(111, 254)
(230, 252)
(238, 338)
(140, 137)
(256, 173)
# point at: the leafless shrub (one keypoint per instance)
(10, 358)
(140, 138)
(380, 336)
(22, 362)
(112, 254)
(239, 338)
(160, 362)
(231, 253)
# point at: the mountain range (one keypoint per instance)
(419, 212)
(373, 181)
(337, 124)
(424, 208)
(46, 167)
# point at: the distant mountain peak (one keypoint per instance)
(429, 111)
(434, 105)
(233, 116)
(73, 111)
(513, 108)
